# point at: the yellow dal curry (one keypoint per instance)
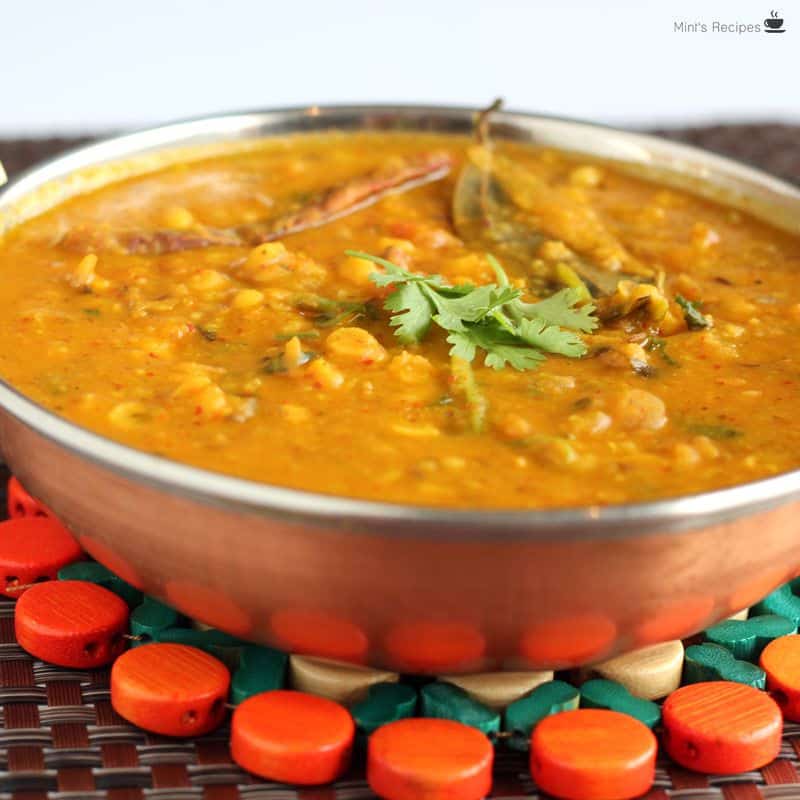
(276, 361)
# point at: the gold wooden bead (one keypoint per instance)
(499, 689)
(336, 680)
(649, 673)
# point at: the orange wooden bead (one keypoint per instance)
(593, 754)
(22, 504)
(33, 549)
(71, 623)
(780, 659)
(292, 737)
(171, 689)
(435, 759)
(721, 727)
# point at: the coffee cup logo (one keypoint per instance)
(773, 23)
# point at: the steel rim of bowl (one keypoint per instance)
(676, 514)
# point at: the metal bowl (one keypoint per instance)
(417, 589)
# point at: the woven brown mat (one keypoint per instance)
(61, 740)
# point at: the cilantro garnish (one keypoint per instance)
(329, 313)
(491, 318)
(695, 318)
(656, 345)
(714, 431)
(464, 382)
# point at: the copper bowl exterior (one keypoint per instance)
(417, 589)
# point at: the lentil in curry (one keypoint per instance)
(162, 312)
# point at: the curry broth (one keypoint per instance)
(185, 354)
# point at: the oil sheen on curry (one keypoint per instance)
(417, 319)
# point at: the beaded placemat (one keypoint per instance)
(61, 740)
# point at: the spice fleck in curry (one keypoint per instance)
(414, 318)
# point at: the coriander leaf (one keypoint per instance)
(480, 302)
(551, 338)
(463, 346)
(276, 365)
(448, 321)
(329, 313)
(209, 334)
(520, 358)
(499, 272)
(502, 348)
(444, 317)
(387, 278)
(656, 345)
(695, 318)
(284, 337)
(414, 315)
(712, 431)
(559, 309)
(453, 313)
(454, 291)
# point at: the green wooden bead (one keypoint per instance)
(261, 669)
(784, 601)
(200, 638)
(522, 716)
(384, 703)
(93, 572)
(446, 701)
(712, 662)
(221, 645)
(600, 693)
(151, 617)
(747, 638)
